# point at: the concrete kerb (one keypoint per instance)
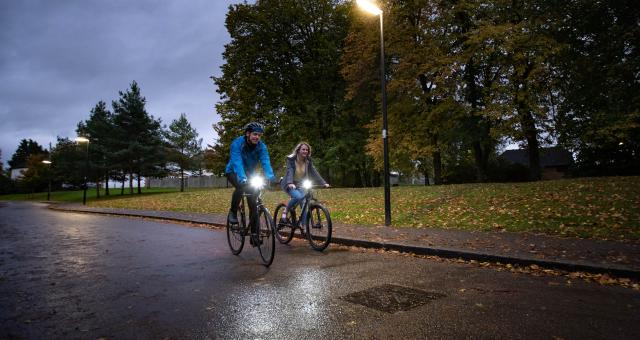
(403, 248)
(136, 215)
(483, 257)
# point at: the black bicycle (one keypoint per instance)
(264, 239)
(317, 226)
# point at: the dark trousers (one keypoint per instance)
(237, 196)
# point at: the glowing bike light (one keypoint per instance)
(307, 184)
(257, 182)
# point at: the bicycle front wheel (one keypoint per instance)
(236, 232)
(267, 239)
(318, 227)
(284, 229)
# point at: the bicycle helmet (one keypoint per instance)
(254, 127)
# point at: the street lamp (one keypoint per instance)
(48, 163)
(86, 168)
(373, 9)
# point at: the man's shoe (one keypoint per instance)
(232, 218)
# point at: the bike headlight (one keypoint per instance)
(307, 184)
(257, 182)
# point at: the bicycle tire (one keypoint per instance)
(319, 227)
(266, 236)
(236, 233)
(284, 231)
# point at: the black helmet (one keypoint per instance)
(254, 127)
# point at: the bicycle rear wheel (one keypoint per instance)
(318, 227)
(237, 232)
(266, 235)
(284, 231)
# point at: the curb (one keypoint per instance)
(125, 214)
(469, 255)
(430, 251)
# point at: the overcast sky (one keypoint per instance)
(59, 58)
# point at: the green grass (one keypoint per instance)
(600, 208)
(76, 195)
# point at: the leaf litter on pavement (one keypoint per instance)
(535, 270)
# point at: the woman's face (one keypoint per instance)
(303, 151)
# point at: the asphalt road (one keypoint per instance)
(68, 275)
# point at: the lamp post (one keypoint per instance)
(373, 9)
(48, 163)
(86, 168)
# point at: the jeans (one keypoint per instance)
(296, 197)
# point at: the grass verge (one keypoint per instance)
(599, 208)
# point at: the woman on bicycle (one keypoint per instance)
(299, 168)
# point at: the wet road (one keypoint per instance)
(67, 275)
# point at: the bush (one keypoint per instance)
(6, 185)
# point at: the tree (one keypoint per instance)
(138, 137)
(6, 185)
(282, 69)
(26, 148)
(35, 178)
(183, 145)
(100, 130)
(598, 114)
(68, 162)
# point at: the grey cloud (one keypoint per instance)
(59, 58)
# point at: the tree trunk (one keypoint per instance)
(437, 162)
(425, 172)
(131, 182)
(531, 135)
(528, 126)
(124, 178)
(533, 147)
(98, 187)
(106, 184)
(481, 156)
(139, 179)
(181, 180)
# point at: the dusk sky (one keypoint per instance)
(59, 58)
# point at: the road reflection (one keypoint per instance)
(295, 301)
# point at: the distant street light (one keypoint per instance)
(86, 168)
(373, 9)
(48, 162)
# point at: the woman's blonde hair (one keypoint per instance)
(294, 152)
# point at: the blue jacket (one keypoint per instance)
(244, 160)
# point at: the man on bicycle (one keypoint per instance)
(246, 152)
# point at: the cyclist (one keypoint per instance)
(299, 168)
(246, 152)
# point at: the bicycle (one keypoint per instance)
(264, 239)
(318, 224)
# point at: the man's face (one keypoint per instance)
(254, 137)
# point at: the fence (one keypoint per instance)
(189, 182)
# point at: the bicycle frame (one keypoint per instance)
(305, 203)
(259, 203)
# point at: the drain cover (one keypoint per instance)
(391, 298)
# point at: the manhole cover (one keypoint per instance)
(391, 298)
